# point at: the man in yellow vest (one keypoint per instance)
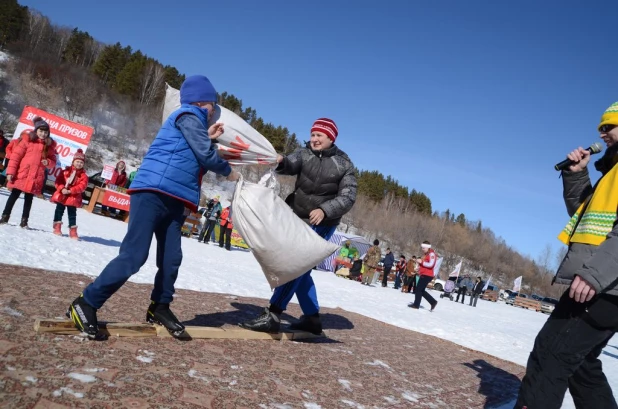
(566, 350)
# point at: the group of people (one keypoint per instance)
(214, 214)
(167, 188)
(28, 159)
(566, 350)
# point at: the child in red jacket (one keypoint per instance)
(70, 184)
(32, 154)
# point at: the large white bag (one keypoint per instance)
(285, 246)
(240, 144)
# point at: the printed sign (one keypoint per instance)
(69, 136)
(108, 172)
(116, 200)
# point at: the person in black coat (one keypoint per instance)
(477, 290)
(389, 260)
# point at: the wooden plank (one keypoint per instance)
(490, 295)
(527, 303)
(116, 329)
(121, 329)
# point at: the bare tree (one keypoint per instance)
(37, 25)
(79, 92)
(151, 82)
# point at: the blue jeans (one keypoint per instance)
(150, 213)
(303, 286)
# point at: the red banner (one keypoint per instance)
(117, 200)
(69, 136)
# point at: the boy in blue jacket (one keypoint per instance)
(165, 189)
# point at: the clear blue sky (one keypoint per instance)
(471, 102)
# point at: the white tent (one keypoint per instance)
(339, 238)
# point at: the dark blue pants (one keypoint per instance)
(303, 286)
(150, 213)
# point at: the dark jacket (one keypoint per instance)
(389, 260)
(326, 180)
(478, 287)
(598, 265)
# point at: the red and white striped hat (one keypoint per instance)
(326, 126)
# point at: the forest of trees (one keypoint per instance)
(65, 70)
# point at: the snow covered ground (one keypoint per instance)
(494, 328)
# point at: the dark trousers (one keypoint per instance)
(387, 271)
(10, 202)
(150, 213)
(111, 210)
(71, 211)
(207, 230)
(411, 283)
(225, 233)
(303, 286)
(398, 280)
(566, 355)
(421, 291)
(462, 291)
(473, 299)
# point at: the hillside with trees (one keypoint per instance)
(113, 87)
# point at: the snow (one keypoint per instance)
(503, 331)
(82, 377)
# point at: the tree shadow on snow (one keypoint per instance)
(100, 240)
(245, 312)
(497, 385)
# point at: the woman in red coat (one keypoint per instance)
(119, 178)
(70, 184)
(34, 152)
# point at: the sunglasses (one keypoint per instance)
(606, 128)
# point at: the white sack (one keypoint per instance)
(240, 144)
(285, 246)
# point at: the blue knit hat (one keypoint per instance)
(197, 88)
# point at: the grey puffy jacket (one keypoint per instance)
(598, 265)
(326, 180)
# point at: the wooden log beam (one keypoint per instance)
(124, 329)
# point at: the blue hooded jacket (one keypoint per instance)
(179, 156)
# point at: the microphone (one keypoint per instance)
(594, 148)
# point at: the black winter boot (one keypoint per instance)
(308, 323)
(24, 223)
(84, 317)
(4, 219)
(162, 315)
(268, 321)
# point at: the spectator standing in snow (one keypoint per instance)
(477, 290)
(389, 260)
(226, 227)
(319, 204)
(164, 192)
(70, 184)
(401, 271)
(464, 284)
(371, 260)
(566, 350)
(212, 214)
(33, 152)
(119, 179)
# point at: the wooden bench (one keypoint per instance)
(192, 224)
(97, 197)
(528, 303)
(490, 295)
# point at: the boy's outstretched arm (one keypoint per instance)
(197, 137)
